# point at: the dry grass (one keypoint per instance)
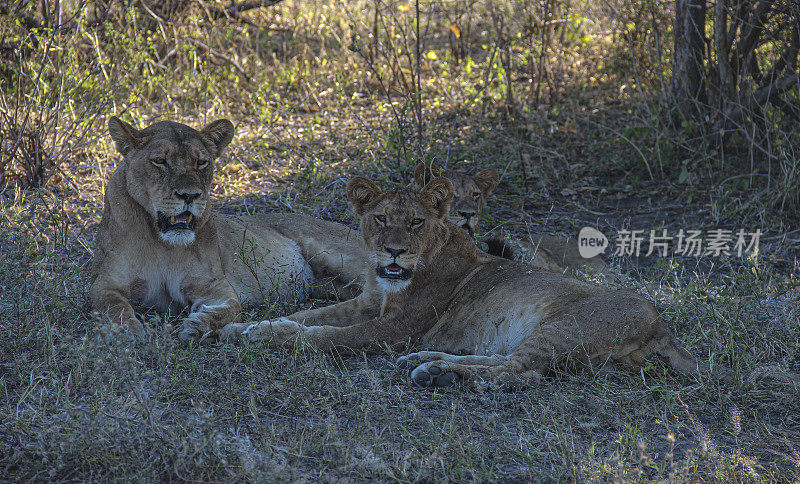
(83, 401)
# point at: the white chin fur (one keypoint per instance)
(179, 238)
(393, 285)
(461, 222)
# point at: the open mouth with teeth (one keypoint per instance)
(182, 221)
(394, 271)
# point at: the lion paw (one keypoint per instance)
(141, 332)
(279, 330)
(412, 360)
(232, 332)
(190, 333)
(406, 362)
(434, 374)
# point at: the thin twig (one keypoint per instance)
(222, 56)
(419, 89)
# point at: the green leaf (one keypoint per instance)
(684, 175)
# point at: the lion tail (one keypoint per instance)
(499, 248)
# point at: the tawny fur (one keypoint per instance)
(222, 262)
(470, 192)
(477, 316)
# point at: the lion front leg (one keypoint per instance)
(353, 311)
(347, 313)
(448, 369)
(210, 312)
(371, 336)
(283, 330)
(114, 306)
(415, 359)
(279, 331)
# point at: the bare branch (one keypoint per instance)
(741, 12)
(735, 113)
(220, 55)
(751, 31)
(726, 75)
(238, 8)
(790, 109)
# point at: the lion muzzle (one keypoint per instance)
(394, 271)
(183, 221)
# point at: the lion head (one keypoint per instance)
(469, 193)
(168, 171)
(401, 227)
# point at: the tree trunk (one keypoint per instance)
(688, 83)
(722, 45)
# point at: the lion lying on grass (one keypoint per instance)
(479, 317)
(160, 245)
(554, 253)
(551, 252)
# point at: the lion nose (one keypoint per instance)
(467, 215)
(394, 252)
(187, 197)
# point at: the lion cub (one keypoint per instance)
(479, 317)
(551, 252)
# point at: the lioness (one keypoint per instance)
(551, 252)
(479, 316)
(160, 245)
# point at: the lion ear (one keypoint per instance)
(437, 195)
(361, 192)
(220, 132)
(125, 136)
(487, 180)
(424, 173)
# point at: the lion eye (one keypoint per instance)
(381, 219)
(417, 222)
(476, 194)
(202, 165)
